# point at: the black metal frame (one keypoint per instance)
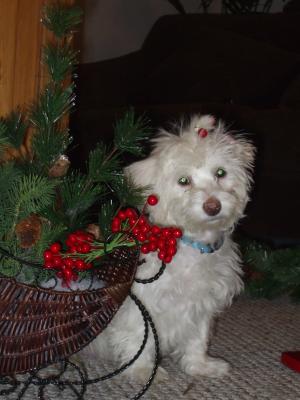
(79, 386)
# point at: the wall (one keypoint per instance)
(116, 27)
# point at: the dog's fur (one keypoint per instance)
(194, 287)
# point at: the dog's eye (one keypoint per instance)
(184, 181)
(220, 173)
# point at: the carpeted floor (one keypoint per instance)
(250, 335)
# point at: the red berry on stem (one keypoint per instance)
(177, 233)
(80, 264)
(130, 213)
(161, 255)
(142, 220)
(161, 244)
(57, 261)
(55, 248)
(171, 242)
(68, 262)
(136, 231)
(155, 230)
(72, 238)
(115, 229)
(166, 232)
(48, 264)
(141, 237)
(145, 249)
(122, 215)
(171, 251)
(167, 259)
(152, 246)
(48, 255)
(85, 248)
(152, 200)
(132, 221)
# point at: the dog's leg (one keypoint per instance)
(194, 359)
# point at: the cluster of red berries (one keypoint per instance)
(152, 237)
(67, 264)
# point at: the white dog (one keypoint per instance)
(202, 178)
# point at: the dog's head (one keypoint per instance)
(201, 176)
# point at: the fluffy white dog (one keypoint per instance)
(202, 178)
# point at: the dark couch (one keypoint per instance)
(244, 69)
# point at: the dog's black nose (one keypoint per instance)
(212, 206)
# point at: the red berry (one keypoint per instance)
(152, 238)
(142, 220)
(48, 264)
(72, 238)
(132, 221)
(167, 259)
(48, 255)
(79, 248)
(115, 229)
(152, 246)
(145, 249)
(57, 261)
(161, 244)
(171, 242)
(177, 233)
(88, 265)
(130, 213)
(136, 231)
(80, 264)
(166, 232)
(122, 215)
(141, 237)
(155, 230)
(68, 262)
(85, 248)
(116, 221)
(161, 255)
(145, 228)
(69, 243)
(55, 248)
(67, 274)
(73, 249)
(171, 251)
(152, 200)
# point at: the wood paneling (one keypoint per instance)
(21, 39)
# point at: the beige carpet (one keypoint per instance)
(250, 335)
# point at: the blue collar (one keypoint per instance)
(202, 247)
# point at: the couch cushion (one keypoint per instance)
(216, 65)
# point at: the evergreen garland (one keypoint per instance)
(41, 199)
(271, 272)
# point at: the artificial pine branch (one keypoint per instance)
(130, 133)
(60, 61)
(61, 19)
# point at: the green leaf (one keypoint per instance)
(130, 133)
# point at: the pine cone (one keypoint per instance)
(28, 231)
(60, 167)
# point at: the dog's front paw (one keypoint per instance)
(142, 374)
(211, 367)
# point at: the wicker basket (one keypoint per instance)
(39, 327)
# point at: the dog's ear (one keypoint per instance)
(246, 151)
(143, 172)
